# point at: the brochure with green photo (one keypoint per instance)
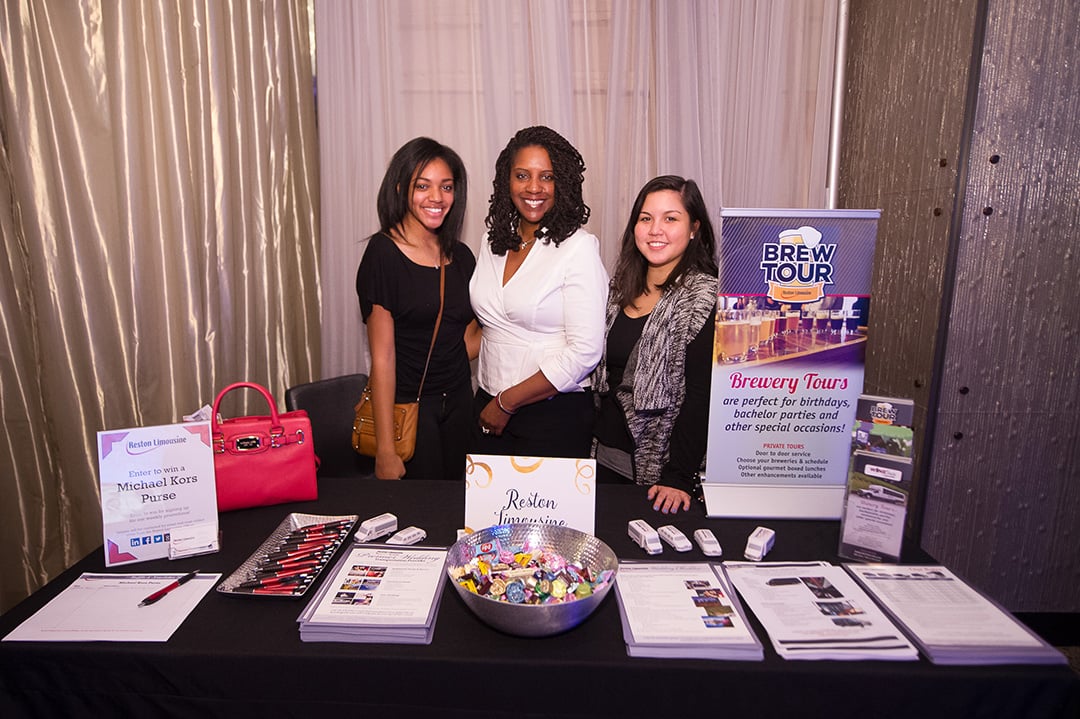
(879, 480)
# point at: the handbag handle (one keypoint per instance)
(275, 425)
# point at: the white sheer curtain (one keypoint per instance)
(734, 94)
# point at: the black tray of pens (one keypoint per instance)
(292, 557)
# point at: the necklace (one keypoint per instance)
(525, 245)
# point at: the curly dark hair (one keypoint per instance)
(569, 211)
(629, 281)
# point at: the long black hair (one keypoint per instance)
(395, 192)
(629, 281)
(569, 211)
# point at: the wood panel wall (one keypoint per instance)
(1003, 501)
(908, 66)
(961, 124)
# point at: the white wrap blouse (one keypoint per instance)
(548, 317)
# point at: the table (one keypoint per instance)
(242, 655)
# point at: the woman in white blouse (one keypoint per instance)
(539, 291)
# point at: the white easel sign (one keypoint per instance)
(157, 486)
(531, 490)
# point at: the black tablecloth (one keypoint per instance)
(242, 655)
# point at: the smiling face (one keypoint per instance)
(662, 231)
(532, 186)
(432, 196)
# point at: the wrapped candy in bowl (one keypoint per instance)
(531, 580)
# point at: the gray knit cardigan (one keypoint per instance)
(654, 385)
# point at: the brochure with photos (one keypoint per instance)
(682, 610)
(879, 480)
(815, 610)
(378, 594)
(951, 621)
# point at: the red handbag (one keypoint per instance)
(263, 460)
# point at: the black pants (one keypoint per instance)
(442, 436)
(556, 427)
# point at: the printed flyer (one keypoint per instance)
(879, 480)
(157, 482)
(378, 594)
(682, 610)
(789, 351)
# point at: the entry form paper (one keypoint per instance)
(105, 608)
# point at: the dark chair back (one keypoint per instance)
(330, 406)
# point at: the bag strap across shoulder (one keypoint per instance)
(438, 321)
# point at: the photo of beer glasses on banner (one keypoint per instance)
(733, 335)
(745, 333)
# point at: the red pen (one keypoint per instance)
(293, 558)
(274, 581)
(263, 574)
(283, 557)
(168, 588)
(292, 546)
(314, 536)
(274, 566)
(278, 590)
(324, 525)
(311, 531)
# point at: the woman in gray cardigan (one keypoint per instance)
(652, 383)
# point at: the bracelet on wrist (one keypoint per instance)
(498, 401)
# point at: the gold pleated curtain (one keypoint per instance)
(159, 207)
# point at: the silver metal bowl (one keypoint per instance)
(535, 620)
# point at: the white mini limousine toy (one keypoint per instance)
(671, 534)
(376, 527)
(759, 543)
(644, 535)
(708, 543)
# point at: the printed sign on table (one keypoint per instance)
(879, 480)
(789, 350)
(157, 482)
(533, 490)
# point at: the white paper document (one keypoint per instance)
(950, 620)
(105, 607)
(815, 610)
(377, 593)
(682, 610)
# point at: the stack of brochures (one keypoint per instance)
(378, 594)
(815, 610)
(952, 622)
(684, 611)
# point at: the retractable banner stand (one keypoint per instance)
(788, 359)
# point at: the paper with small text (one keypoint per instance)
(950, 620)
(815, 610)
(682, 610)
(377, 593)
(105, 608)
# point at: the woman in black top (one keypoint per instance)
(421, 208)
(653, 381)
